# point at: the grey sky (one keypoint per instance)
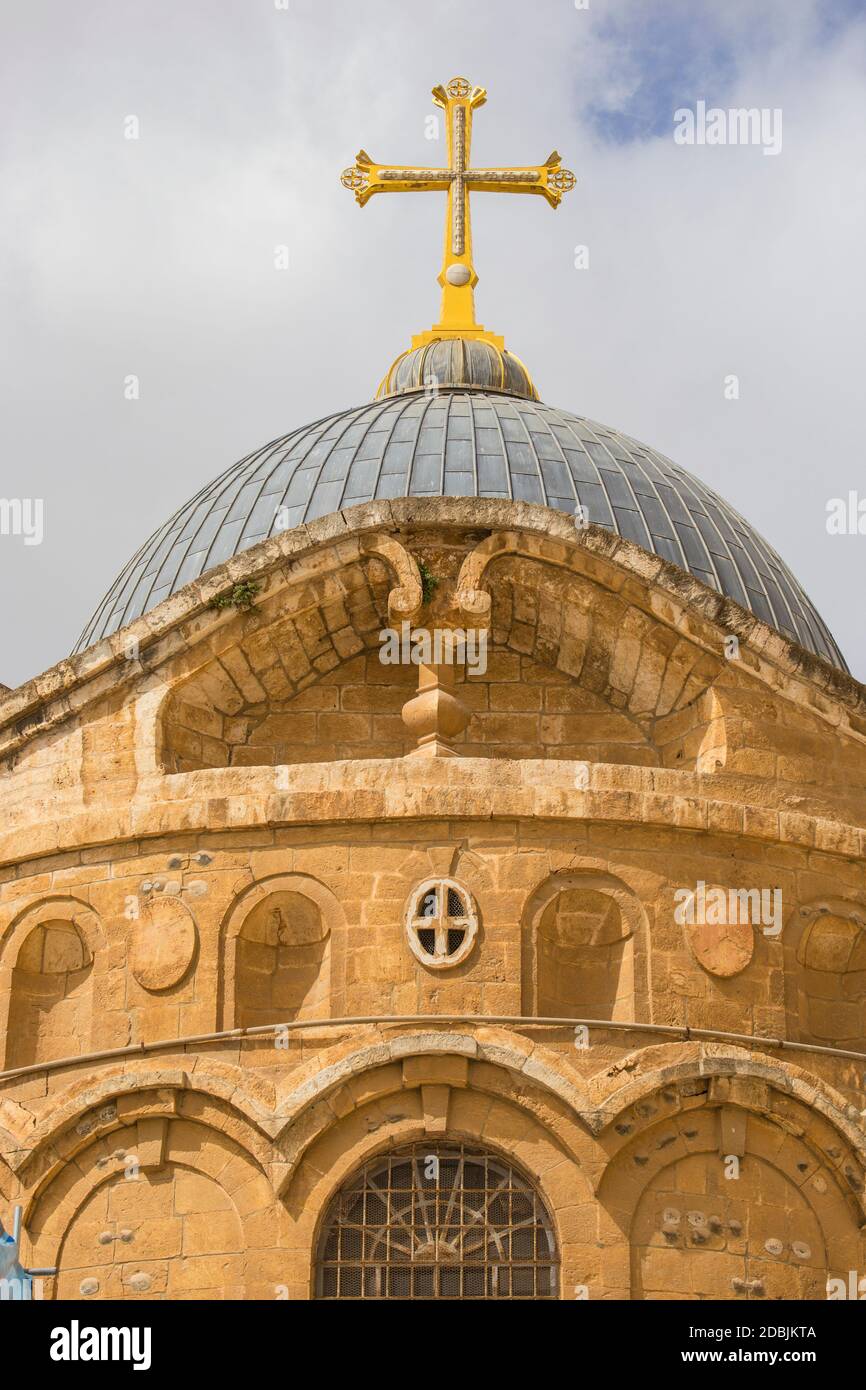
(155, 257)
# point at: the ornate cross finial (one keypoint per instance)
(457, 277)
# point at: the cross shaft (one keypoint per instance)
(458, 277)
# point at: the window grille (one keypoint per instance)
(441, 923)
(442, 1221)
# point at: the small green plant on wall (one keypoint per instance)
(241, 596)
(429, 582)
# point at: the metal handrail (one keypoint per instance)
(678, 1031)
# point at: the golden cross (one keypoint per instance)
(457, 277)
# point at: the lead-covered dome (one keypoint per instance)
(472, 362)
(467, 443)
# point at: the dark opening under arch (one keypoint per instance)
(437, 1220)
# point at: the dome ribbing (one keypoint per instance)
(475, 443)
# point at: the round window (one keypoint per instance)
(441, 923)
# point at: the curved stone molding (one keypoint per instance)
(317, 793)
(52, 908)
(398, 1064)
(472, 600)
(94, 1110)
(624, 1101)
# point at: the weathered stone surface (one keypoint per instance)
(163, 943)
(224, 832)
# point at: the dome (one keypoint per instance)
(458, 362)
(467, 443)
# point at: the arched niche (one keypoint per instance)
(830, 975)
(50, 959)
(825, 944)
(584, 949)
(730, 1188)
(770, 1222)
(698, 1235)
(162, 1207)
(276, 953)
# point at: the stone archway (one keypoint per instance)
(738, 1192)
(440, 1219)
(169, 1233)
(439, 1100)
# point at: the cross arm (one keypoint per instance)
(549, 180)
(366, 177)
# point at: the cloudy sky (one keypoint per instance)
(155, 257)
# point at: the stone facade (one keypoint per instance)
(215, 821)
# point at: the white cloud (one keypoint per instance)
(156, 257)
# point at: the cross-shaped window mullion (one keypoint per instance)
(441, 947)
(442, 924)
(441, 928)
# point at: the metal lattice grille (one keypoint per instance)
(440, 920)
(438, 1222)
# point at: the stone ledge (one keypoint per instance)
(382, 789)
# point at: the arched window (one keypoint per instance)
(438, 1220)
(50, 1007)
